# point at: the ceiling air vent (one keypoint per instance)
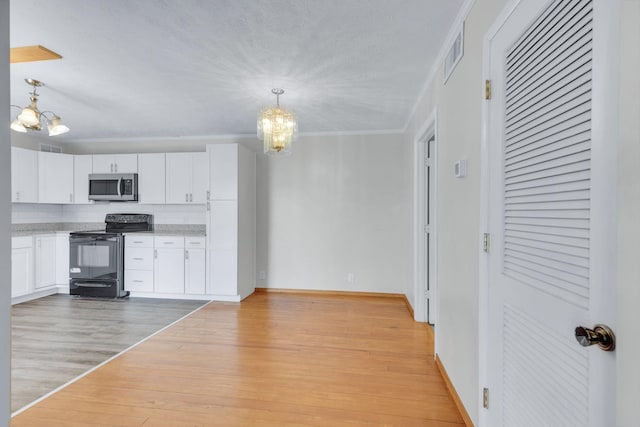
(455, 54)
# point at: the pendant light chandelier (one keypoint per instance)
(277, 127)
(30, 118)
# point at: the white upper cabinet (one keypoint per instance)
(223, 171)
(24, 175)
(82, 167)
(186, 178)
(200, 177)
(115, 163)
(55, 177)
(151, 178)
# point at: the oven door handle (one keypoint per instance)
(120, 182)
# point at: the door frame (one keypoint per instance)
(604, 124)
(428, 128)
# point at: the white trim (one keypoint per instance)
(24, 408)
(428, 128)
(465, 9)
(240, 136)
(483, 264)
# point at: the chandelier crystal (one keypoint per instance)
(30, 118)
(277, 127)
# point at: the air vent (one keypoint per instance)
(455, 54)
(50, 148)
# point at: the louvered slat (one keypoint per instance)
(547, 157)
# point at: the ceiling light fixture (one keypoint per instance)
(277, 127)
(30, 118)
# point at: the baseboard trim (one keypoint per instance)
(454, 394)
(330, 293)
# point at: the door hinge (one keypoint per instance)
(426, 229)
(427, 162)
(486, 242)
(487, 89)
(427, 294)
(485, 398)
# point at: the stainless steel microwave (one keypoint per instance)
(113, 187)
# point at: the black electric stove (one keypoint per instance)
(96, 257)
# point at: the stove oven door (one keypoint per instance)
(96, 265)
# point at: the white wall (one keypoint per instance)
(628, 346)
(338, 205)
(458, 206)
(5, 221)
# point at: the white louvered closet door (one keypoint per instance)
(550, 266)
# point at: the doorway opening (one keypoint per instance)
(425, 225)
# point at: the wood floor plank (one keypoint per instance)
(273, 360)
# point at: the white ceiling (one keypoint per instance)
(169, 68)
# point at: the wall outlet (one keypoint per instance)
(262, 275)
(351, 277)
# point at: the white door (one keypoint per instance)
(429, 241)
(551, 183)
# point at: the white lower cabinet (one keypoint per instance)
(21, 266)
(62, 259)
(165, 265)
(168, 272)
(194, 265)
(45, 261)
(138, 263)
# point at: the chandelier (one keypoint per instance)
(30, 118)
(277, 127)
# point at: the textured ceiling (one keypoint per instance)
(169, 68)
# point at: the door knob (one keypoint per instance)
(600, 334)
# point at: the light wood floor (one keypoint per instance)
(272, 360)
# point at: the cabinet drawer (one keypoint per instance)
(135, 241)
(138, 258)
(21, 242)
(138, 281)
(194, 242)
(169, 242)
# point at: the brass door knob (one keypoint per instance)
(600, 334)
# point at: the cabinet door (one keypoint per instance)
(222, 246)
(24, 175)
(125, 163)
(82, 167)
(103, 163)
(45, 261)
(199, 178)
(169, 270)
(194, 271)
(21, 271)
(62, 258)
(55, 177)
(223, 171)
(179, 172)
(151, 178)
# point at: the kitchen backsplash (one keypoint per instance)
(24, 213)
